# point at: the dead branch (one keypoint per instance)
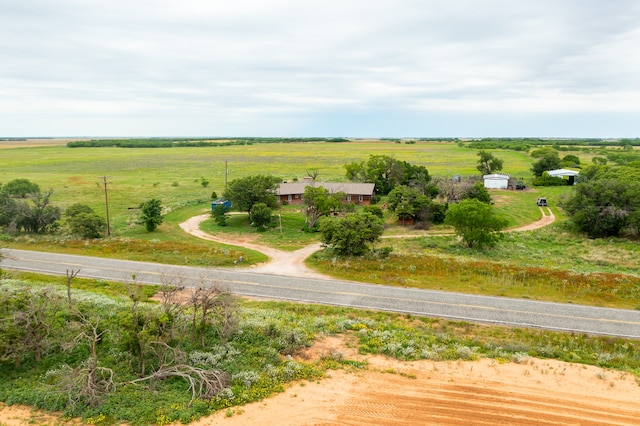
(212, 305)
(170, 293)
(203, 384)
(37, 319)
(86, 384)
(71, 274)
(167, 355)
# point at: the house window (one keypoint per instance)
(297, 196)
(360, 198)
(349, 198)
(289, 197)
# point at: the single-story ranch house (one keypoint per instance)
(357, 193)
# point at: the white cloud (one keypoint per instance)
(250, 62)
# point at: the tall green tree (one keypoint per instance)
(488, 163)
(319, 202)
(549, 161)
(476, 223)
(350, 236)
(21, 188)
(603, 207)
(37, 215)
(409, 203)
(83, 221)
(260, 215)
(418, 177)
(8, 209)
(151, 214)
(477, 191)
(570, 161)
(31, 213)
(247, 191)
(384, 171)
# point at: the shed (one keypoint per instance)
(220, 202)
(496, 181)
(570, 174)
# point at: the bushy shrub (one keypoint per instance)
(546, 180)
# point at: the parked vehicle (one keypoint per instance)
(541, 202)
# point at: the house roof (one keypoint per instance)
(563, 172)
(496, 176)
(332, 187)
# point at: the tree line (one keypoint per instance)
(198, 142)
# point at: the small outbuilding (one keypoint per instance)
(562, 173)
(220, 202)
(496, 181)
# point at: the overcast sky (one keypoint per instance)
(355, 68)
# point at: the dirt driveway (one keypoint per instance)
(288, 263)
(291, 263)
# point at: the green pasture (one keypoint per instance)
(551, 263)
(520, 208)
(173, 174)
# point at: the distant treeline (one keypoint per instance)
(190, 142)
(524, 144)
(517, 144)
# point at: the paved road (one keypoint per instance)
(554, 316)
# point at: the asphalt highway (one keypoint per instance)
(494, 310)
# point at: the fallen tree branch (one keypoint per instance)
(203, 384)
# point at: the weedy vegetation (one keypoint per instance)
(183, 377)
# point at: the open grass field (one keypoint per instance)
(174, 175)
(550, 263)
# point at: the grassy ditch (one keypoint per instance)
(168, 244)
(524, 266)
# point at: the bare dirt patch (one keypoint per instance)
(485, 392)
(19, 415)
(30, 143)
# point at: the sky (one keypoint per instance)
(320, 68)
